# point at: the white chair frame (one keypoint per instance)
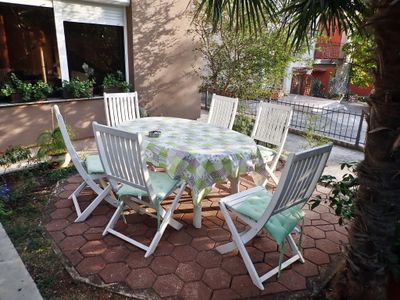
(298, 181)
(121, 107)
(272, 126)
(88, 179)
(222, 111)
(122, 156)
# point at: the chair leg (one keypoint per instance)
(165, 222)
(172, 222)
(114, 217)
(83, 216)
(294, 247)
(242, 249)
(74, 196)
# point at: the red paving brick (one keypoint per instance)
(185, 264)
(72, 243)
(164, 265)
(196, 291)
(116, 272)
(91, 265)
(116, 254)
(234, 265)
(217, 278)
(190, 271)
(184, 253)
(141, 278)
(93, 248)
(168, 285)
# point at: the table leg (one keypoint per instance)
(197, 216)
(234, 184)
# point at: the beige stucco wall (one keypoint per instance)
(21, 124)
(164, 59)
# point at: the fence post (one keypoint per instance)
(359, 129)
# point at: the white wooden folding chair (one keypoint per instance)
(123, 160)
(121, 107)
(271, 126)
(222, 111)
(278, 213)
(90, 170)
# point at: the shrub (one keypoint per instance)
(41, 90)
(342, 195)
(243, 123)
(77, 88)
(51, 143)
(116, 81)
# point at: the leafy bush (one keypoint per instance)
(21, 87)
(41, 90)
(243, 123)
(342, 195)
(116, 81)
(78, 88)
(27, 90)
(6, 90)
(51, 143)
(309, 133)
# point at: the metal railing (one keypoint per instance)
(336, 124)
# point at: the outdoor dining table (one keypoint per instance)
(198, 153)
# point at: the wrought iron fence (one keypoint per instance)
(337, 124)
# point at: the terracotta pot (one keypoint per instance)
(113, 90)
(16, 98)
(59, 161)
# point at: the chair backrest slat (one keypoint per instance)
(70, 147)
(122, 157)
(223, 111)
(272, 123)
(299, 178)
(121, 107)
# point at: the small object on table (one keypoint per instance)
(154, 133)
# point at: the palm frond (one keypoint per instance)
(306, 18)
(242, 14)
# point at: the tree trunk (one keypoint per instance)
(372, 234)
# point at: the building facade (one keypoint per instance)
(147, 41)
(324, 71)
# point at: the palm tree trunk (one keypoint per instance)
(372, 233)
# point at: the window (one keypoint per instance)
(28, 43)
(101, 47)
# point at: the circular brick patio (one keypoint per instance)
(185, 264)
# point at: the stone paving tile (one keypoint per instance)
(217, 278)
(116, 272)
(168, 285)
(195, 290)
(185, 264)
(141, 278)
(190, 271)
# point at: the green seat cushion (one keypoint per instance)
(161, 182)
(267, 153)
(280, 224)
(94, 165)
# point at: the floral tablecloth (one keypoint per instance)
(199, 153)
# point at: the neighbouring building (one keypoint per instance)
(147, 40)
(323, 70)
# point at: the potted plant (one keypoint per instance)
(23, 90)
(41, 90)
(6, 90)
(115, 83)
(51, 144)
(77, 88)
